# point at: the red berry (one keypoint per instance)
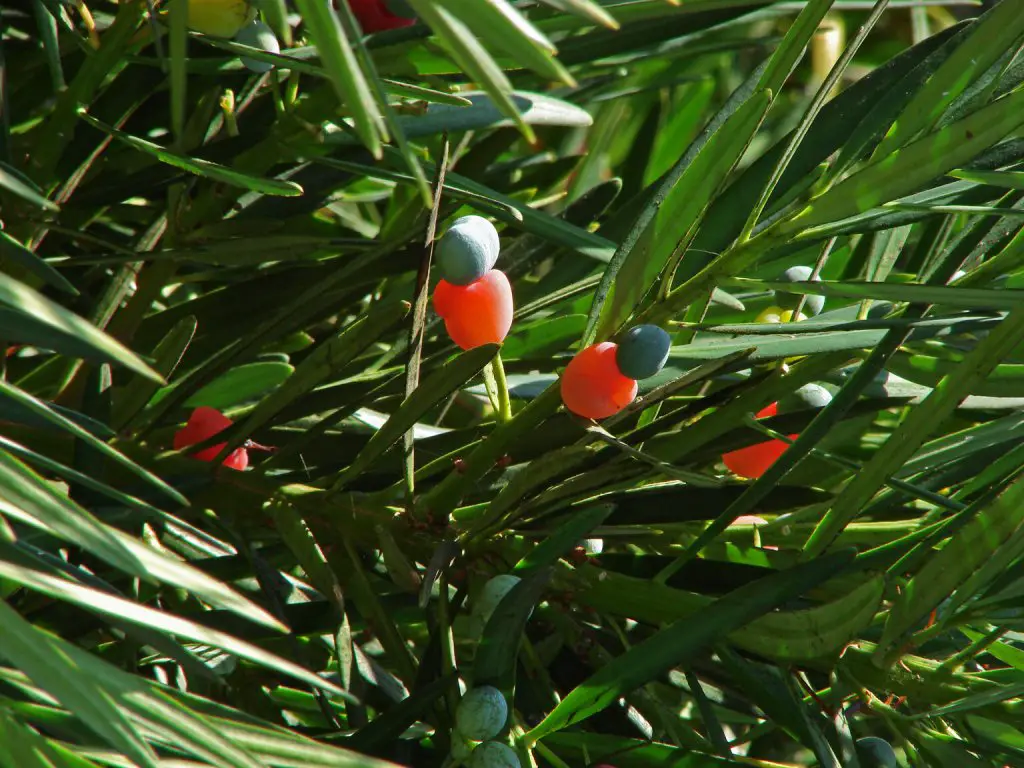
(476, 314)
(592, 385)
(237, 459)
(754, 460)
(204, 423)
(375, 16)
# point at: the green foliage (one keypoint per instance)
(181, 229)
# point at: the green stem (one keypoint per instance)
(504, 403)
(491, 385)
(976, 648)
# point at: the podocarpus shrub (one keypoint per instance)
(202, 247)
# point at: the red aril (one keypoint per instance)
(753, 461)
(377, 16)
(204, 423)
(476, 314)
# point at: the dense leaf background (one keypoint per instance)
(179, 231)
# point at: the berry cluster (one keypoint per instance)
(601, 380)
(786, 304)
(473, 298)
(754, 460)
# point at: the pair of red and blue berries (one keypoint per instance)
(601, 380)
(473, 298)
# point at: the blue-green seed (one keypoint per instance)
(468, 250)
(258, 35)
(873, 752)
(813, 305)
(482, 713)
(494, 754)
(807, 397)
(643, 351)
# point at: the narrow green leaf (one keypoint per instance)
(680, 642)
(785, 636)
(338, 56)
(445, 496)
(1005, 179)
(919, 424)
(307, 551)
(951, 566)
(15, 183)
(438, 386)
(24, 258)
(246, 382)
(501, 26)
(24, 300)
(1005, 380)
(991, 36)
(495, 660)
(39, 408)
(330, 356)
(565, 537)
(472, 58)
(586, 9)
(914, 293)
(30, 500)
(112, 606)
(907, 169)
(197, 166)
(482, 112)
(23, 747)
(178, 14)
(31, 651)
(638, 237)
(132, 398)
(681, 212)
(797, 37)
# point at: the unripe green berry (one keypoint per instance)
(873, 752)
(468, 250)
(258, 35)
(643, 351)
(481, 714)
(494, 754)
(813, 305)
